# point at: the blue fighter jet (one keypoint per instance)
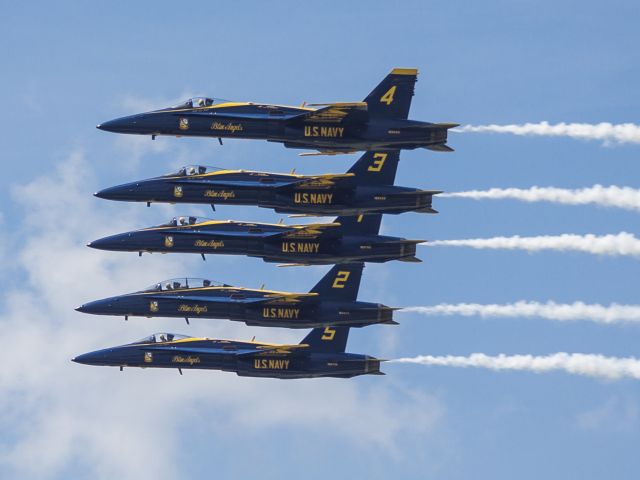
(366, 188)
(347, 239)
(331, 302)
(380, 121)
(320, 354)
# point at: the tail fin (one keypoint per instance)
(376, 168)
(392, 97)
(342, 282)
(327, 339)
(361, 224)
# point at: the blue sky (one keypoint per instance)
(72, 65)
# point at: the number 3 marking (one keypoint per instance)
(378, 162)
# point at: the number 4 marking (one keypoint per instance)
(388, 97)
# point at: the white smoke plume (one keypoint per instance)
(605, 314)
(599, 366)
(606, 132)
(622, 243)
(613, 196)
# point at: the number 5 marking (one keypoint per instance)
(328, 334)
(388, 97)
(378, 162)
(341, 279)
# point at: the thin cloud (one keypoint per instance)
(72, 416)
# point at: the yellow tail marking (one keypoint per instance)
(388, 97)
(328, 334)
(341, 279)
(378, 162)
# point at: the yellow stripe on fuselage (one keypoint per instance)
(229, 105)
(243, 289)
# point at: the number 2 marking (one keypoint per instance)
(341, 279)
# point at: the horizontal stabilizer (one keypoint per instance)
(410, 259)
(440, 148)
(426, 210)
(322, 152)
(402, 242)
(414, 193)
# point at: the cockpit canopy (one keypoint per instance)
(195, 170)
(185, 221)
(162, 338)
(196, 102)
(182, 283)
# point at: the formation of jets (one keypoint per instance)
(379, 126)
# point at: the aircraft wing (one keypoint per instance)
(274, 349)
(324, 181)
(342, 112)
(279, 297)
(311, 230)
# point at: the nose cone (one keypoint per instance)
(120, 242)
(126, 192)
(105, 306)
(131, 124)
(85, 358)
(119, 125)
(140, 191)
(99, 357)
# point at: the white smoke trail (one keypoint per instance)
(605, 314)
(598, 366)
(620, 244)
(620, 197)
(607, 132)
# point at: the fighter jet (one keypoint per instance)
(378, 122)
(347, 239)
(320, 354)
(331, 302)
(366, 188)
